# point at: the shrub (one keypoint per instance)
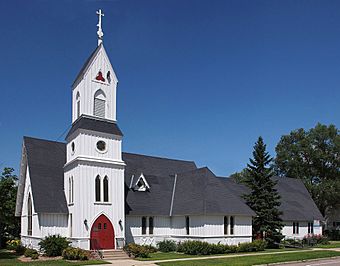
(290, 242)
(35, 256)
(29, 252)
(246, 247)
(20, 250)
(167, 246)
(333, 234)
(12, 244)
(54, 245)
(231, 248)
(137, 251)
(71, 253)
(259, 245)
(312, 240)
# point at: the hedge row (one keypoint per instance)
(193, 248)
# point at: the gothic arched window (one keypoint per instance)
(99, 104)
(29, 215)
(78, 104)
(106, 189)
(97, 188)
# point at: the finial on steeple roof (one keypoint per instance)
(99, 25)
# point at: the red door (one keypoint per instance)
(102, 234)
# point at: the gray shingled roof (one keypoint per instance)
(296, 202)
(159, 173)
(197, 191)
(95, 124)
(200, 192)
(87, 64)
(46, 160)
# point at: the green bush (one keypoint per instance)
(246, 247)
(290, 242)
(20, 249)
(259, 245)
(29, 252)
(137, 251)
(333, 234)
(54, 245)
(312, 240)
(167, 246)
(71, 253)
(35, 256)
(231, 248)
(204, 248)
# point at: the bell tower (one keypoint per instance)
(94, 170)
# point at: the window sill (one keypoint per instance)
(102, 203)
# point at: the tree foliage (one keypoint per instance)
(263, 197)
(314, 157)
(9, 224)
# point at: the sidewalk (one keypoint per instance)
(132, 262)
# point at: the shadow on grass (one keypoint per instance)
(7, 255)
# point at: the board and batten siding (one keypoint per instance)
(287, 230)
(42, 224)
(204, 228)
(85, 207)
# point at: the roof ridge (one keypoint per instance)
(158, 157)
(46, 140)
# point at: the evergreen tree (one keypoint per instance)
(263, 198)
(9, 224)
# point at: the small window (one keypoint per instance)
(295, 228)
(232, 224)
(106, 189)
(311, 228)
(150, 225)
(73, 146)
(99, 226)
(105, 226)
(101, 145)
(143, 225)
(29, 215)
(97, 188)
(187, 225)
(225, 225)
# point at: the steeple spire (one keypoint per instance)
(99, 25)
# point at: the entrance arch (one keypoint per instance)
(102, 234)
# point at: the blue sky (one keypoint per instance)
(198, 80)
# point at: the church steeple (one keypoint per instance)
(94, 89)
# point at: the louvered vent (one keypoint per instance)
(99, 107)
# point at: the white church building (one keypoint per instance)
(99, 197)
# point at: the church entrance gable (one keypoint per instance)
(102, 234)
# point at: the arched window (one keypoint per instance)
(99, 104)
(225, 225)
(106, 189)
(29, 215)
(69, 190)
(187, 225)
(72, 190)
(78, 104)
(97, 188)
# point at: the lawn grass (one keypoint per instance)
(176, 255)
(10, 259)
(332, 244)
(258, 259)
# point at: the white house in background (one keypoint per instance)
(99, 197)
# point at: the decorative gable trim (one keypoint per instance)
(141, 184)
